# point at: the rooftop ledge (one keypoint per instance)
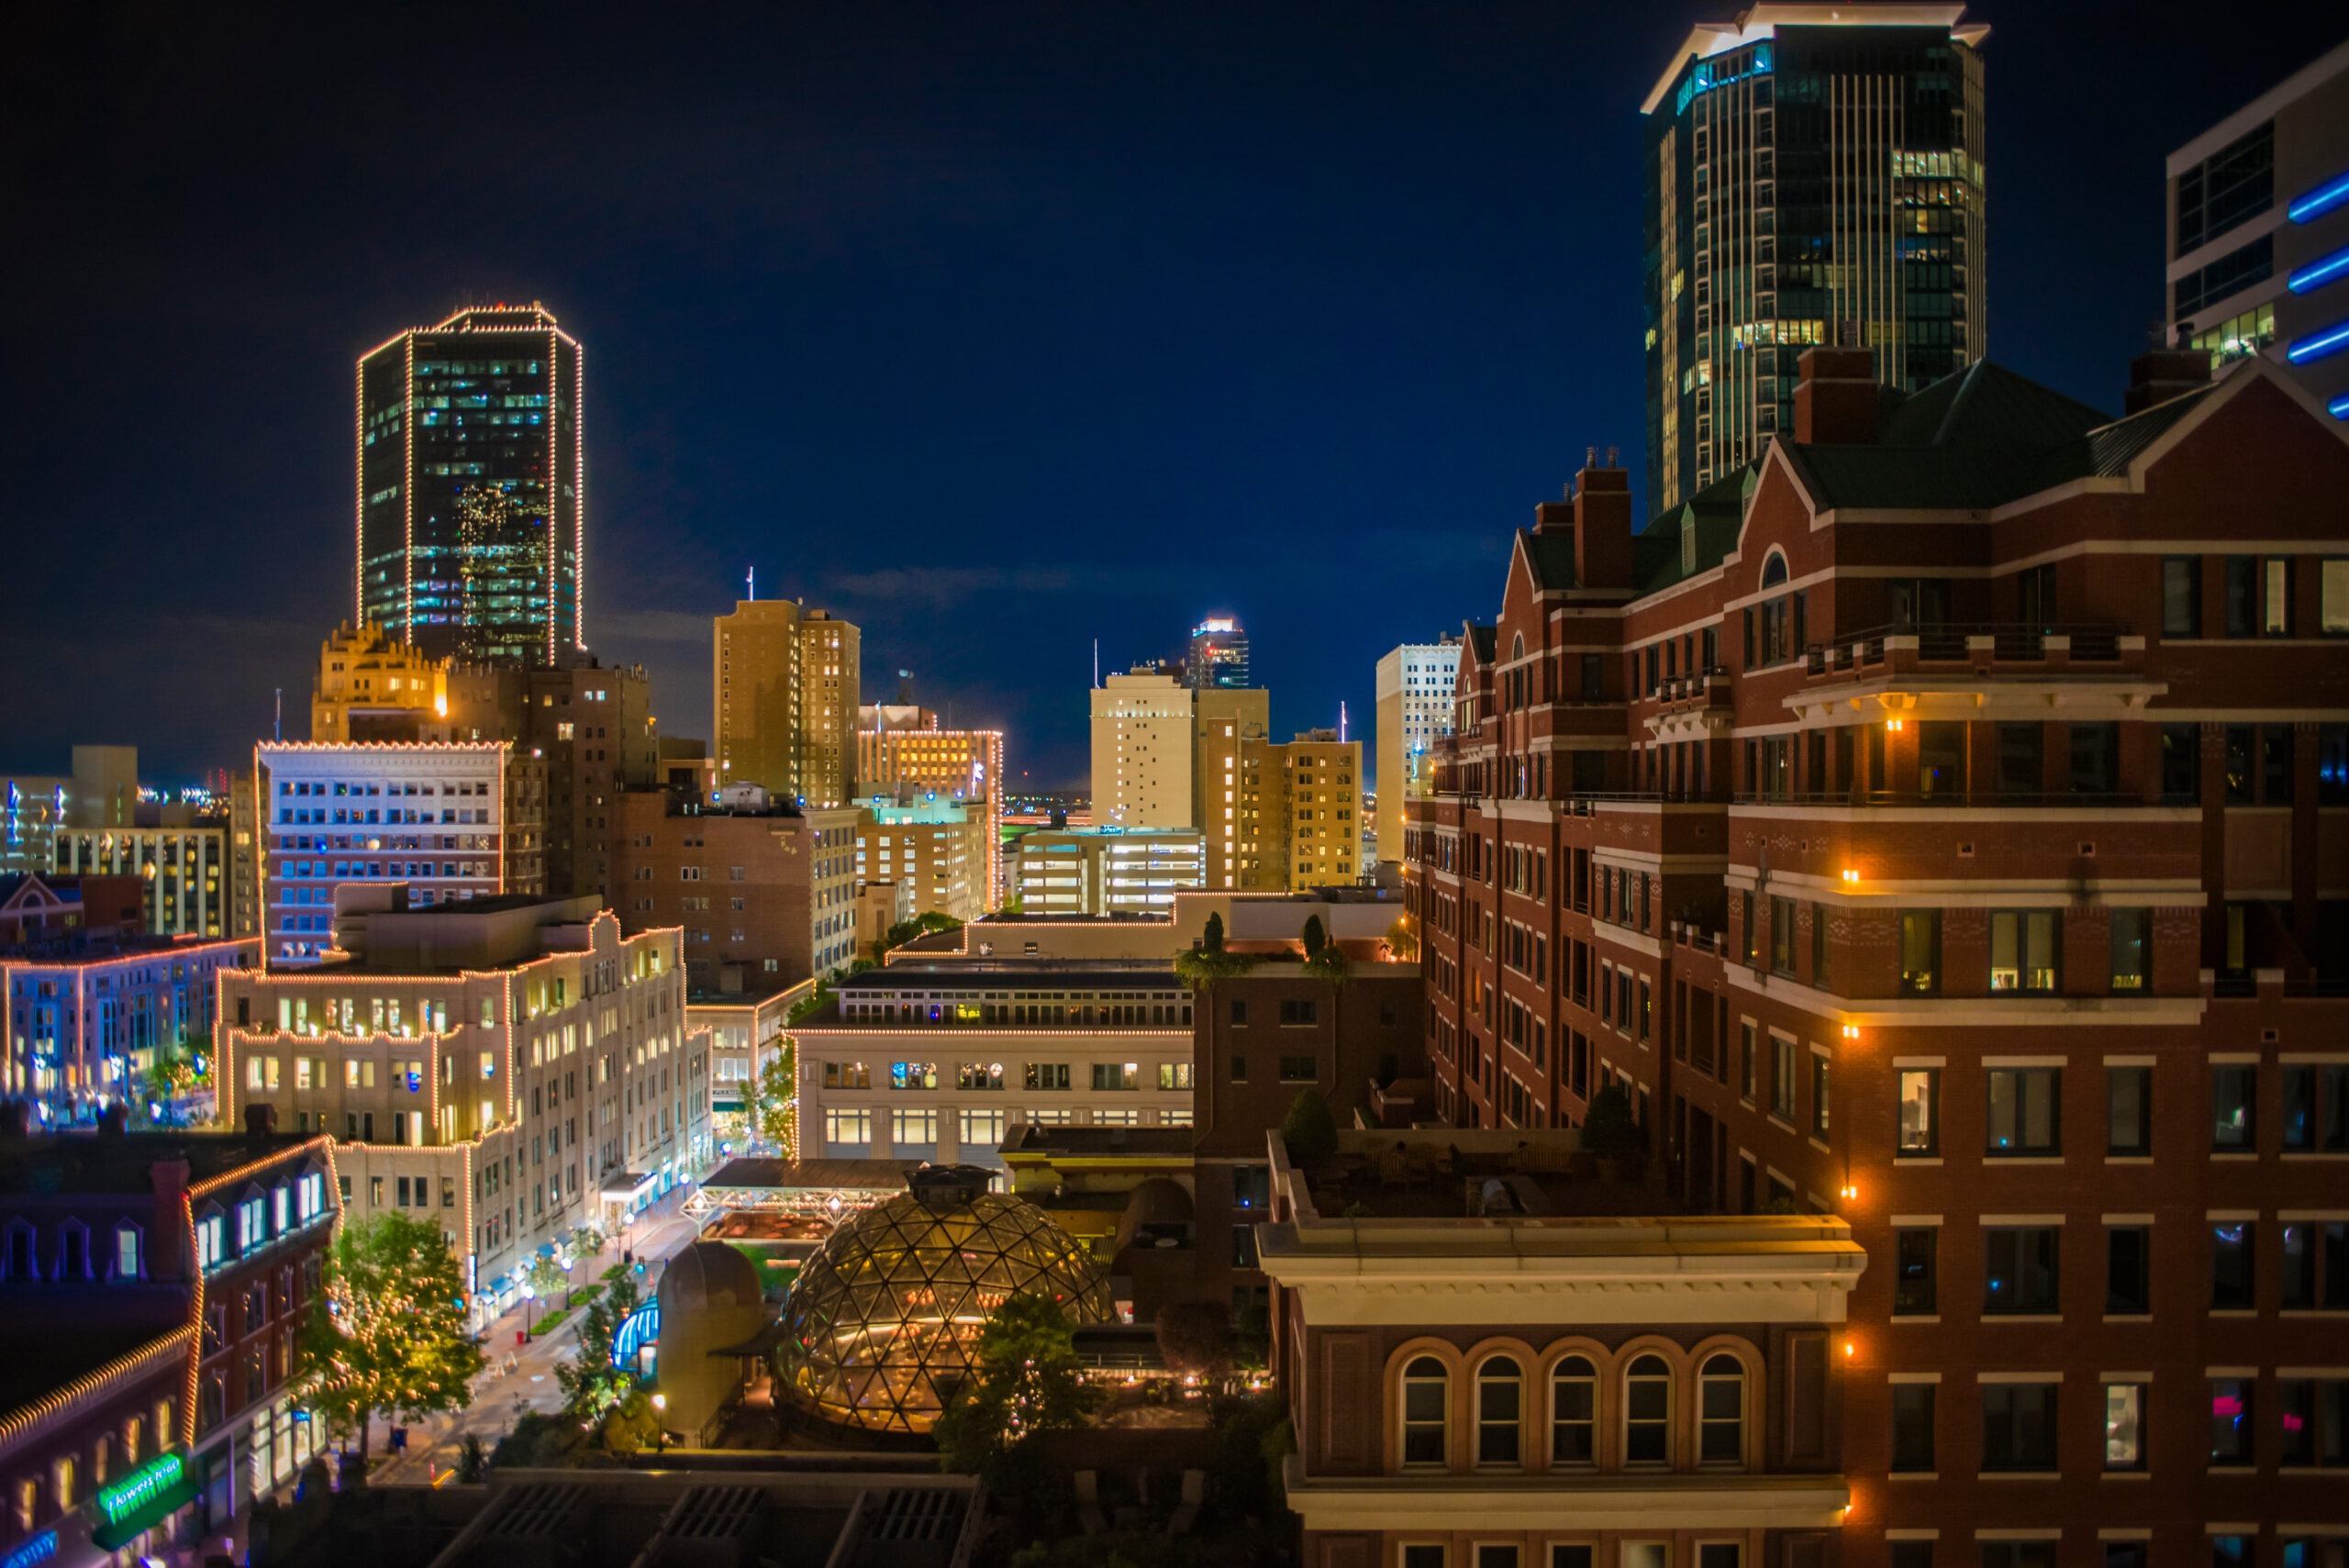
(1597, 1502)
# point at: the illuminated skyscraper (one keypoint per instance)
(472, 489)
(1219, 655)
(1809, 172)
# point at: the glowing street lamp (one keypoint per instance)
(566, 1284)
(660, 1423)
(528, 1295)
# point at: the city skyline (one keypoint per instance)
(1284, 364)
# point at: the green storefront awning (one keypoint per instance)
(119, 1533)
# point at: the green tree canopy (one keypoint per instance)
(1309, 1130)
(1608, 1130)
(591, 1385)
(1402, 942)
(777, 1117)
(1026, 1382)
(388, 1331)
(1315, 937)
(1211, 939)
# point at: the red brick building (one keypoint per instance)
(762, 890)
(1938, 824)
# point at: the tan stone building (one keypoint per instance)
(936, 849)
(1414, 697)
(902, 747)
(370, 687)
(1166, 756)
(508, 1069)
(765, 889)
(1301, 811)
(784, 695)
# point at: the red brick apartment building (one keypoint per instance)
(1939, 824)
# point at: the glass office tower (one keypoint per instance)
(1813, 176)
(472, 534)
(1217, 657)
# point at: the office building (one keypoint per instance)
(1104, 871)
(1811, 174)
(428, 816)
(2258, 227)
(1301, 813)
(1414, 697)
(941, 1060)
(1932, 830)
(89, 1001)
(1218, 656)
(1165, 755)
(507, 1069)
(760, 891)
(101, 791)
(938, 849)
(899, 747)
(785, 699)
(159, 1283)
(472, 489)
(179, 858)
(745, 1027)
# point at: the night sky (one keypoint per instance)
(993, 327)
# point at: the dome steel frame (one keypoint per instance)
(883, 1325)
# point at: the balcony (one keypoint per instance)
(2020, 648)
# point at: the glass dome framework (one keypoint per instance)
(883, 1325)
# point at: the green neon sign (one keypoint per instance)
(141, 1486)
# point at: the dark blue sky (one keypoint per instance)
(994, 328)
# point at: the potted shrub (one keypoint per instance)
(1609, 1133)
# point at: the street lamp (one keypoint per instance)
(566, 1284)
(660, 1423)
(529, 1293)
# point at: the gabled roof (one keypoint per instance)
(1482, 641)
(1552, 559)
(1717, 513)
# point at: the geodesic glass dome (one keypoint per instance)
(883, 1323)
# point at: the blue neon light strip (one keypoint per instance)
(2339, 406)
(2321, 200)
(2322, 271)
(2331, 340)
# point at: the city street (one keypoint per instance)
(500, 1397)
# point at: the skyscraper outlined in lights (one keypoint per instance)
(472, 489)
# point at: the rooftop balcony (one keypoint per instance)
(1980, 648)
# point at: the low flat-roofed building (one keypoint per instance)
(1097, 871)
(1358, 919)
(943, 1058)
(938, 849)
(1491, 1353)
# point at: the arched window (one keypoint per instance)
(1574, 1413)
(1720, 1412)
(1426, 1392)
(1500, 1409)
(1773, 569)
(1647, 1411)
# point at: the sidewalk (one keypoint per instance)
(499, 1397)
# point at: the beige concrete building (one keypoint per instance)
(746, 1029)
(1103, 871)
(509, 1068)
(900, 747)
(1225, 721)
(181, 862)
(1414, 697)
(936, 849)
(1167, 756)
(1301, 803)
(784, 695)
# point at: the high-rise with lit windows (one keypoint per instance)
(472, 532)
(2258, 218)
(1219, 655)
(1812, 174)
(784, 698)
(1414, 692)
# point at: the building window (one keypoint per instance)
(2128, 1271)
(1647, 1411)
(2017, 1554)
(2019, 1275)
(2124, 1425)
(2017, 1426)
(2182, 595)
(2127, 1110)
(1720, 1412)
(2131, 963)
(2241, 579)
(1574, 1413)
(2023, 944)
(1500, 1409)
(2232, 1097)
(1920, 951)
(2231, 1431)
(1920, 1111)
(1916, 1254)
(1297, 1011)
(2231, 1266)
(1782, 1079)
(1818, 1096)
(1297, 1070)
(1427, 1395)
(1912, 1427)
(2023, 1118)
(846, 1127)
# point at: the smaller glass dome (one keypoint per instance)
(883, 1323)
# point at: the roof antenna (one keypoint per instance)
(751, 584)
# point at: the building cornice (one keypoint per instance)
(1441, 1502)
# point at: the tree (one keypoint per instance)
(1402, 944)
(1315, 937)
(1608, 1131)
(588, 1240)
(631, 1425)
(1309, 1130)
(473, 1464)
(388, 1331)
(776, 1119)
(1211, 939)
(591, 1385)
(1201, 967)
(544, 1276)
(811, 1002)
(537, 1441)
(1196, 1336)
(1024, 1380)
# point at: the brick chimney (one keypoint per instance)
(1603, 524)
(1835, 401)
(167, 1236)
(2160, 374)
